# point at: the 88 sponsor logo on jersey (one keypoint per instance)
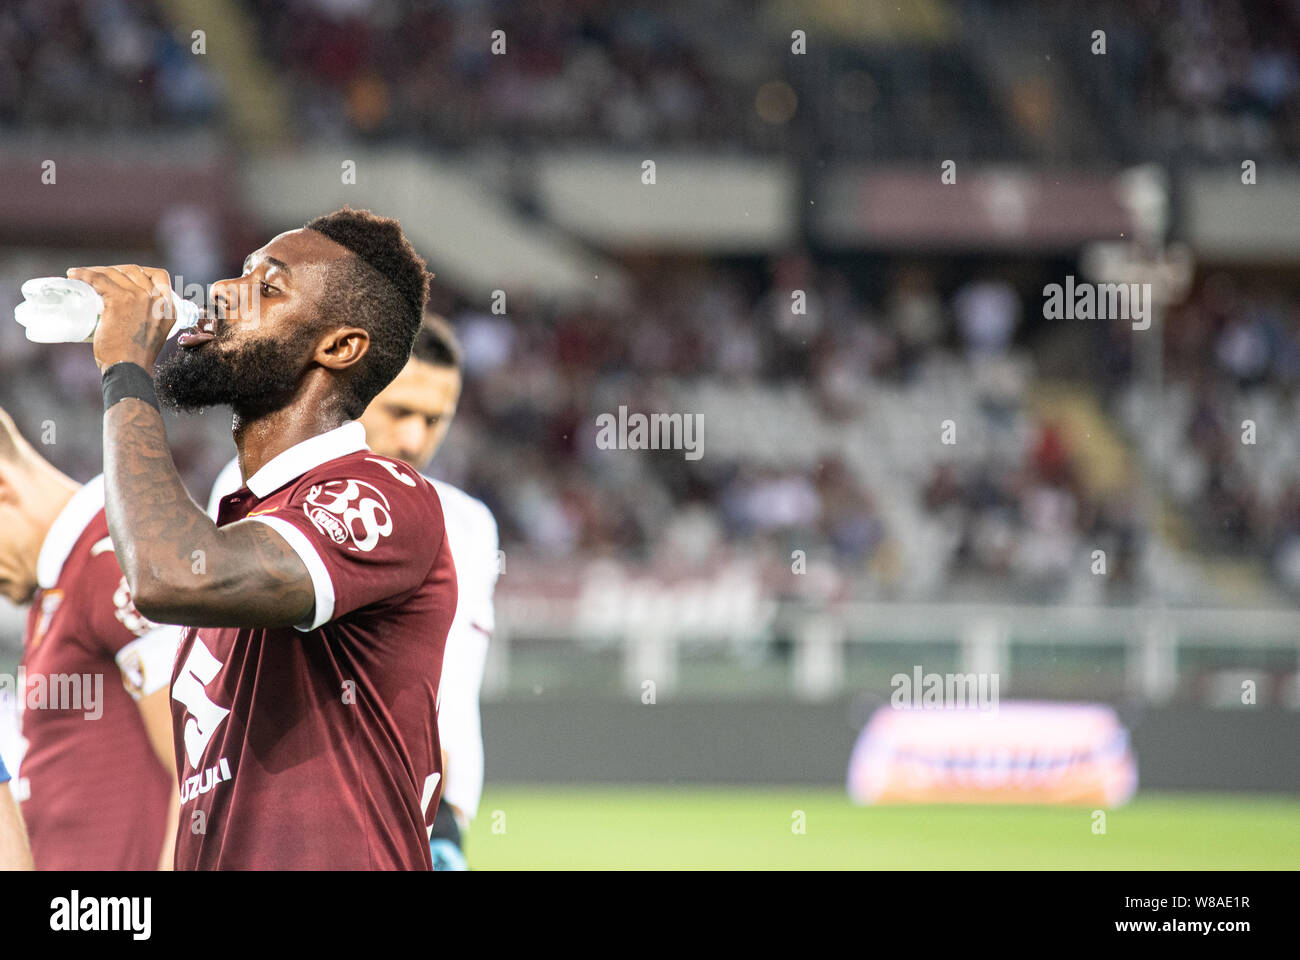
(345, 509)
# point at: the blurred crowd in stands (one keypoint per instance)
(1230, 451)
(1181, 80)
(1224, 81)
(1021, 514)
(99, 65)
(537, 380)
(574, 71)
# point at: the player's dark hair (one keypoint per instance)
(382, 290)
(436, 343)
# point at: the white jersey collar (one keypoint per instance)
(291, 464)
(64, 532)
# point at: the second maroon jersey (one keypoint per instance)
(316, 746)
(97, 793)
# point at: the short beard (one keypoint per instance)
(255, 378)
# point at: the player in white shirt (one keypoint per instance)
(408, 420)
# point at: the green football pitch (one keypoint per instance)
(602, 828)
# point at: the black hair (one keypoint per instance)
(436, 343)
(382, 289)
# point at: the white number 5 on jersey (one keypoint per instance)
(188, 690)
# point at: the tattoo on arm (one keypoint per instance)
(285, 594)
(141, 338)
(249, 575)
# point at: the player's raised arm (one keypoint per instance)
(250, 575)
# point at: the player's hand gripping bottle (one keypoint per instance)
(62, 310)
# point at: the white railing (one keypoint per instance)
(981, 635)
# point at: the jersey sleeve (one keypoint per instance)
(459, 723)
(114, 620)
(460, 729)
(146, 662)
(143, 650)
(366, 529)
(479, 608)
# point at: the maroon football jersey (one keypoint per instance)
(97, 794)
(316, 746)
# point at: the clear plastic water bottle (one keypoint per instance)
(63, 310)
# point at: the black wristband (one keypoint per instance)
(127, 379)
